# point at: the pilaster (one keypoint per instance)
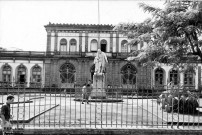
(56, 41)
(86, 42)
(111, 42)
(117, 42)
(48, 49)
(80, 42)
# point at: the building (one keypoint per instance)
(68, 61)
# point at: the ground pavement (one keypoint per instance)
(60, 110)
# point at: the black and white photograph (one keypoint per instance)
(100, 67)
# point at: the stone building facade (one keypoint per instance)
(74, 48)
(68, 61)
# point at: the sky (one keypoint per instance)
(22, 21)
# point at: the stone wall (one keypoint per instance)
(83, 73)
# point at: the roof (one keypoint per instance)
(93, 27)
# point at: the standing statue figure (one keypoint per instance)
(100, 62)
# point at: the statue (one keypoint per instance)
(100, 62)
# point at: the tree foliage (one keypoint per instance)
(172, 34)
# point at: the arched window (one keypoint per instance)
(188, 78)
(128, 74)
(72, 45)
(159, 77)
(124, 47)
(174, 76)
(93, 45)
(21, 74)
(67, 73)
(63, 45)
(6, 73)
(36, 74)
(103, 45)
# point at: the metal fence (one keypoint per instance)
(63, 108)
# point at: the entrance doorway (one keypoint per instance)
(22, 78)
(103, 47)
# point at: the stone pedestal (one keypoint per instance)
(98, 91)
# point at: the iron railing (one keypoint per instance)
(63, 108)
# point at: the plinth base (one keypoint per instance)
(98, 91)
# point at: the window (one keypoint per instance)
(188, 78)
(63, 45)
(72, 45)
(159, 76)
(36, 74)
(174, 76)
(21, 74)
(124, 47)
(67, 73)
(94, 45)
(128, 74)
(6, 73)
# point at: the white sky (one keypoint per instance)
(22, 22)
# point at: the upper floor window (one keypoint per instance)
(124, 47)
(63, 45)
(6, 73)
(174, 76)
(188, 78)
(93, 45)
(72, 46)
(36, 74)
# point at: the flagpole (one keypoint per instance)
(98, 24)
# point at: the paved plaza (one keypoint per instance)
(60, 110)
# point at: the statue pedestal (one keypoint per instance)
(98, 91)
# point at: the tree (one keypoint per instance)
(172, 34)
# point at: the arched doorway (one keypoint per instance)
(21, 75)
(103, 45)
